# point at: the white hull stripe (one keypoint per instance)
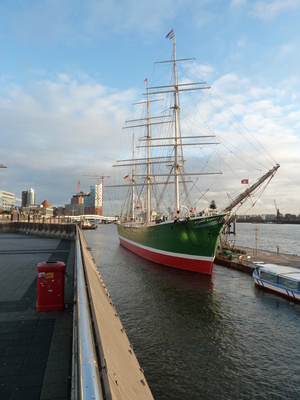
(275, 288)
(168, 253)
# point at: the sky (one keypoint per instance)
(71, 69)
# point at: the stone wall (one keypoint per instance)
(64, 231)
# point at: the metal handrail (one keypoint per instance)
(89, 379)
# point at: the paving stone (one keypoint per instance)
(35, 347)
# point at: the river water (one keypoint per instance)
(199, 337)
(268, 237)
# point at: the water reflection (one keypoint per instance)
(198, 337)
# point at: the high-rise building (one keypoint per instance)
(28, 198)
(7, 200)
(86, 203)
(24, 198)
(95, 201)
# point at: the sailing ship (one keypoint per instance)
(177, 236)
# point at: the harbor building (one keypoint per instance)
(86, 203)
(44, 210)
(76, 207)
(7, 201)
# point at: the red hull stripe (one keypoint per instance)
(203, 265)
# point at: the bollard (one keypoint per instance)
(278, 250)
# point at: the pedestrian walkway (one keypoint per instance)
(35, 347)
(271, 257)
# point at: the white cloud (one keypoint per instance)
(287, 50)
(54, 132)
(73, 21)
(238, 3)
(269, 122)
(271, 9)
(62, 124)
(59, 129)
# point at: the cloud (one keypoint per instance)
(121, 17)
(271, 9)
(69, 70)
(74, 22)
(54, 131)
(238, 3)
(287, 50)
(261, 126)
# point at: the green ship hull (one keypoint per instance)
(188, 244)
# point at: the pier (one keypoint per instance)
(80, 352)
(244, 259)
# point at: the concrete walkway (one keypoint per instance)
(35, 347)
(270, 257)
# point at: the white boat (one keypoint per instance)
(284, 280)
(87, 225)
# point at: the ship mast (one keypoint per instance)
(176, 115)
(247, 192)
(148, 198)
(132, 181)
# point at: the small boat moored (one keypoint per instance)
(87, 225)
(284, 280)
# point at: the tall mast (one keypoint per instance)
(148, 200)
(176, 112)
(247, 192)
(132, 180)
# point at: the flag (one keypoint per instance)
(245, 181)
(170, 34)
(126, 177)
(146, 80)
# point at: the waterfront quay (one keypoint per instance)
(80, 352)
(76, 352)
(35, 347)
(245, 258)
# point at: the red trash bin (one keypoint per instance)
(51, 286)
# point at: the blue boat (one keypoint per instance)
(284, 280)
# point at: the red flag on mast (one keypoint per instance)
(170, 34)
(245, 181)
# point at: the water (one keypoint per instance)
(269, 236)
(198, 337)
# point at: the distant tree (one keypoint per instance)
(213, 205)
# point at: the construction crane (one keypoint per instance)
(100, 180)
(278, 215)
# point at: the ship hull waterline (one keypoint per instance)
(189, 245)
